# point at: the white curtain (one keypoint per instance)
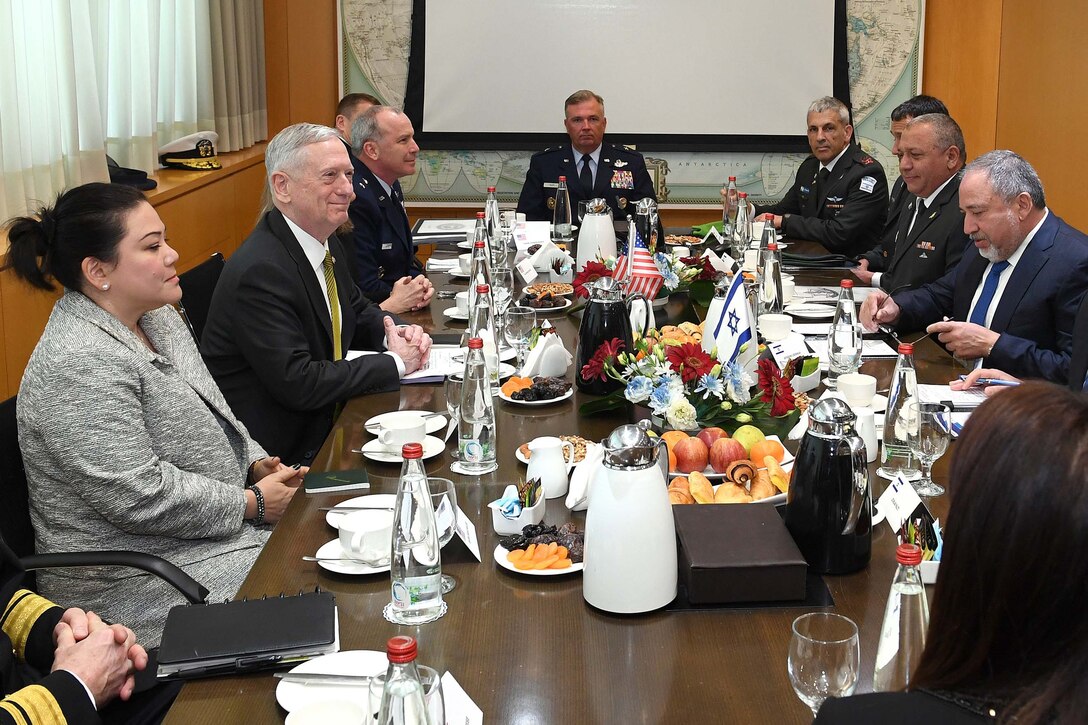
(83, 78)
(51, 134)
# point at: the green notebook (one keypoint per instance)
(330, 481)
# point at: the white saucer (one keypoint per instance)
(810, 310)
(505, 353)
(373, 500)
(433, 425)
(293, 695)
(879, 404)
(467, 244)
(375, 450)
(458, 274)
(548, 310)
(333, 550)
(455, 314)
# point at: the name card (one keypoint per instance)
(897, 503)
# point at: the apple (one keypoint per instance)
(747, 435)
(725, 451)
(709, 435)
(691, 455)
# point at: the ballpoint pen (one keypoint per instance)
(994, 381)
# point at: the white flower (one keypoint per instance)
(681, 415)
(710, 385)
(638, 389)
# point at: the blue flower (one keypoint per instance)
(737, 382)
(671, 280)
(663, 395)
(710, 385)
(639, 389)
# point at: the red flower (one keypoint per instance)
(688, 360)
(706, 269)
(604, 355)
(776, 389)
(592, 272)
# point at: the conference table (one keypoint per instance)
(529, 649)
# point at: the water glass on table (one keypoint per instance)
(824, 658)
(844, 348)
(444, 500)
(520, 322)
(929, 430)
(502, 291)
(433, 698)
(452, 390)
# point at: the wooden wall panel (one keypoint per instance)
(312, 62)
(1043, 98)
(248, 186)
(961, 63)
(25, 311)
(276, 65)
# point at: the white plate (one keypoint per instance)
(375, 450)
(293, 695)
(500, 559)
(810, 310)
(529, 290)
(549, 401)
(456, 273)
(434, 424)
(333, 550)
(879, 404)
(467, 244)
(787, 465)
(373, 500)
(505, 353)
(455, 314)
(773, 500)
(549, 310)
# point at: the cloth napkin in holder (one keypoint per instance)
(545, 257)
(582, 478)
(548, 359)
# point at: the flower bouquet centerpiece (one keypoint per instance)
(695, 275)
(687, 388)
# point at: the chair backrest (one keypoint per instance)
(15, 523)
(197, 286)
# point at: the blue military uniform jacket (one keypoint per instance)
(380, 246)
(622, 179)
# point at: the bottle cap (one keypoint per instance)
(401, 649)
(490, 189)
(483, 289)
(744, 195)
(479, 215)
(906, 348)
(562, 178)
(476, 343)
(910, 554)
(411, 450)
(773, 246)
(478, 244)
(848, 283)
(732, 178)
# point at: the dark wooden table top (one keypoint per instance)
(529, 649)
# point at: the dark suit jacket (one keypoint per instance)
(268, 342)
(897, 199)
(622, 179)
(381, 242)
(1078, 363)
(1036, 312)
(932, 248)
(894, 708)
(849, 215)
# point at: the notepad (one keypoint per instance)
(330, 481)
(200, 640)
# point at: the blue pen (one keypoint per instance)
(994, 381)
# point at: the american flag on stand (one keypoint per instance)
(645, 277)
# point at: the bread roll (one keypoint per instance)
(730, 492)
(762, 486)
(678, 496)
(700, 488)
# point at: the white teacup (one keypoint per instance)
(774, 327)
(367, 535)
(461, 300)
(866, 428)
(397, 432)
(858, 389)
(682, 251)
(751, 259)
(788, 289)
(464, 261)
(757, 229)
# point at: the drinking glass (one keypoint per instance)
(929, 429)
(433, 697)
(444, 498)
(824, 658)
(844, 347)
(502, 292)
(520, 322)
(452, 389)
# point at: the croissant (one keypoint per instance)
(678, 496)
(762, 486)
(700, 488)
(730, 492)
(741, 472)
(680, 483)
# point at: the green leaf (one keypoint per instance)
(701, 291)
(612, 401)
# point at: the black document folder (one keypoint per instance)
(209, 639)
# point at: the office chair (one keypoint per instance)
(197, 286)
(17, 532)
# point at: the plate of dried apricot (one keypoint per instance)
(535, 391)
(537, 560)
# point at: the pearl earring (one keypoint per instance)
(105, 286)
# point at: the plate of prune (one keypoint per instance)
(542, 550)
(542, 391)
(545, 301)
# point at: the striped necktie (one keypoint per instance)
(334, 305)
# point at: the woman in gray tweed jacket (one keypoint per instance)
(127, 440)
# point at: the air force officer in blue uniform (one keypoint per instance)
(594, 169)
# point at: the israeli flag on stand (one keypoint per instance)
(733, 327)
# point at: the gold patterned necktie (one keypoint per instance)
(334, 305)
